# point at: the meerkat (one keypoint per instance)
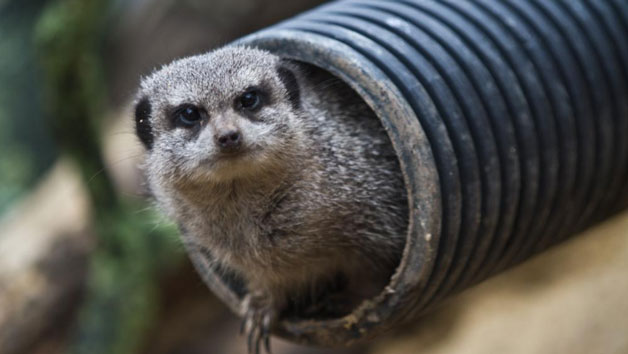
(278, 170)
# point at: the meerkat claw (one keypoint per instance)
(266, 328)
(257, 324)
(256, 335)
(267, 344)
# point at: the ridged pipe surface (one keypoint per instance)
(510, 120)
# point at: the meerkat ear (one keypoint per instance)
(142, 123)
(285, 70)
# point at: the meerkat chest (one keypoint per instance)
(232, 230)
(231, 224)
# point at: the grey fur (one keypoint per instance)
(317, 192)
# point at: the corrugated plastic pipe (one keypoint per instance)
(510, 121)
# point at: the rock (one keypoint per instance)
(44, 247)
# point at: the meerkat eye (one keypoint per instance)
(250, 100)
(187, 116)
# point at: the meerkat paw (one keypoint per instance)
(259, 319)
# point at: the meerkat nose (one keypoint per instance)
(229, 140)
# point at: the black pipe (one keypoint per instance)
(509, 119)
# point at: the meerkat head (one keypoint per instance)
(232, 113)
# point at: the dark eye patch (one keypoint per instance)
(289, 80)
(186, 116)
(143, 128)
(251, 100)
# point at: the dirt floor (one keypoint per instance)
(572, 299)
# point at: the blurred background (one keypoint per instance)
(88, 266)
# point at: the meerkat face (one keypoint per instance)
(229, 114)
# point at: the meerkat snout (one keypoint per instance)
(229, 140)
(227, 134)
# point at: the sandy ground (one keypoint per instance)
(571, 299)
